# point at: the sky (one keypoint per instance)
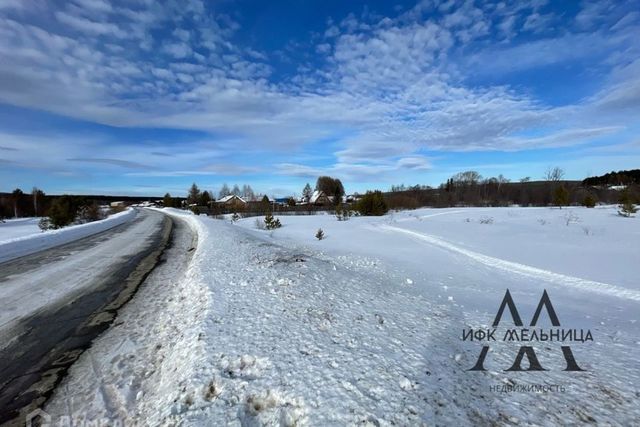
(143, 97)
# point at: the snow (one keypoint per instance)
(15, 228)
(66, 275)
(229, 198)
(364, 326)
(22, 237)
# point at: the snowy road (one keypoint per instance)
(56, 301)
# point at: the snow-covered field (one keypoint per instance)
(14, 228)
(20, 237)
(365, 327)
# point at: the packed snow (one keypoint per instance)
(67, 274)
(364, 326)
(22, 237)
(20, 227)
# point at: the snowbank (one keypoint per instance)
(14, 228)
(21, 246)
(138, 370)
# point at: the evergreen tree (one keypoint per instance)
(205, 198)
(627, 208)
(167, 201)
(307, 192)
(561, 196)
(63, 211)
(589, 201)
(265, 204)
(270, 222)
(372, 203)
(16, 195)
(194, 194)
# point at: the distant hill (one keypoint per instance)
(614, 178)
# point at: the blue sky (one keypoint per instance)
(143, 97)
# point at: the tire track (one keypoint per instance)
(522, 269)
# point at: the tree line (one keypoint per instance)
(56, 211)
(470, 188)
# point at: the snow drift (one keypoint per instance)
(21, 246)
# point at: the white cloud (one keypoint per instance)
(88, 26)
(177, 50)
(382, 88)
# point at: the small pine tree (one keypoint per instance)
(167, 201)
(62, 212)
(270, 222)
(561, 196)
(372, 203)
(319, 234)
(589, 201)
(342, 213)
(45, 224)
(627, 207)
(339, 216)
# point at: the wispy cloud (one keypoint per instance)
(116, 162)
(382, 89)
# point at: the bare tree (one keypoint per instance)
(502, 180)
(247, 193)
(554, 174)
(38, 198)
(224, 191)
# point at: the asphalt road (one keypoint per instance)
(55, 302)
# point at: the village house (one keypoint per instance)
(231, 202)
(319, 198)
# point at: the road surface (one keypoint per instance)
(55, 302)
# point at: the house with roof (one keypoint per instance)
(319, 198)
(231, 201)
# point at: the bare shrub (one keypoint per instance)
(486, 220)
(571, 218)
